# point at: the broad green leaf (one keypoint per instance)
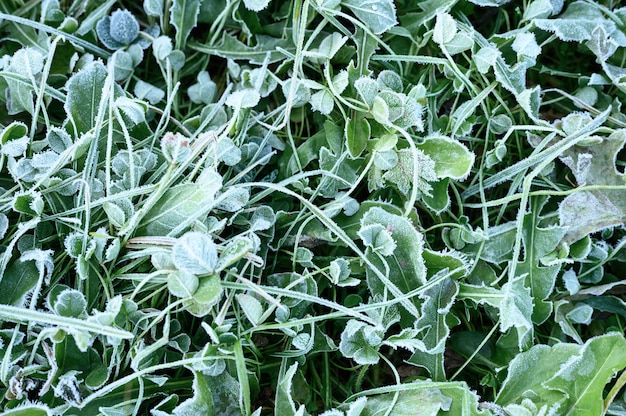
(323, 101)
(357, 133)
(407, 401)
(29, 410)
(568, 378)
(539, 242)
(577, 22)
(19, 279)
(378, 15)
(179, 204)
(405, 267)
(285, 404)
(452, 159)
(84, 92)
(201, 403)
(184, 17)
(436, 321)
(586, 212)
(195, 253)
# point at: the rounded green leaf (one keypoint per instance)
(182, 284)
(452, 159)
(195, 253)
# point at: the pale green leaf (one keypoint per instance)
(195, 253)
(184, 17)
(182, 284)
(378, 15)
(452, 159)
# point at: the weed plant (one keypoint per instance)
(316, 207)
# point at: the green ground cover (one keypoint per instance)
(337, 207)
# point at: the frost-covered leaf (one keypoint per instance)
(378, 239)
(162, 47)
(247, 98)
(206, 295)
(361, 342)
(323, 101)
(539, 242)
(118, 30)
(452, 159)
(405, 402)
(234, 199)
(571, 377)
(513, 301)
(184, 17)
(402, 174)
(388, 80)
(14, 139)
(235, 250)
(18, 281)
(256, 5)
(485, 58)
(577, 23)
(285, 404)
(182, 284)
(340, 272)
(587, 212)
(262, 219)
(195, 253)
(147, 91)
(201, 403)
(435, 321)
(357, 134)
(84, 92)
(251, 307)
(367, 88)
(204, 90)
(405, 266)
(180, 203)
(378, 15)
(490, 3)
(331, 44)
(601, 44)
(70, 303)
(525, 44)
(445, 29)
(153, 7)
